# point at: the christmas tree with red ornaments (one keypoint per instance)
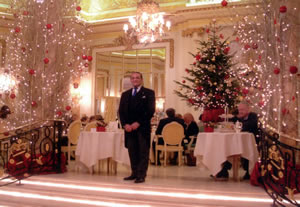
(211, 82)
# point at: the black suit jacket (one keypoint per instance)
(165, 121)
(249, 123)
(143, 110)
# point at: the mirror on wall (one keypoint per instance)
(113, 76)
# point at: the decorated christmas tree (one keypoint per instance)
(210, 82)
(45, 60)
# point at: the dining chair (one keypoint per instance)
(90, 125)
(172, 134)
(73, 135)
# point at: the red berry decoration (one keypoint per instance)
(46, 60)
(245, 91)
(59, 113)
(293, 69)
(31, 71)
(75, 85)
(68, 108)
(198, 57)
(49, 26)
(84, 57)
(17, 29)
(89, 58)
(12, 96)
(247, 46)
(33, 104)
(224, 3)
(282, 9)
(226, 50)
(78, 8)
(276, 71)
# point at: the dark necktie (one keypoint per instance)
(134, 91)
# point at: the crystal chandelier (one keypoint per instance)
(149, 23)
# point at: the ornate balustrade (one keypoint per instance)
(32, 149)
(279, 169)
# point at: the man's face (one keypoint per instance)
(136, 79)
(243, 110)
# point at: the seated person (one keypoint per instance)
(170, 118)
(100, 121)
(92, 118)
(191, 127)
(249, 121)
(179, 116)
(84, 120)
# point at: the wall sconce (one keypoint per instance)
(7, 83)
(160, 104)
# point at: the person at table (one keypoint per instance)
(170, 118)
(4, 112)
(191, 129)
(249, 121)
(137, 106)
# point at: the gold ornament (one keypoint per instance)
(241, 98)
(215, 83)
(197, 81)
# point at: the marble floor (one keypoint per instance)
(165, 187)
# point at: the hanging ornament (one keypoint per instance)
(221, 36)
(6, 133)
(254, 46)
(207, 30)
(224, 3)
(89, 58)
(69, 64)
(12, 96)
(33, 104)
(68, 108)
(25, 13)
(284, 111)
(86, 65)
(237, 39)
(84, 57)
(198, 57)
(293, 69)
(183, 81)
(199, 88)
(49, 26)
(282, 9)
(31, 71)
(245, 91)
(247, 46)
(226, 50)
(46, 60)
(276, 71)
(23, 49)
(17, 29)
(275, 21)
(59, 113)
(261, 103)
(78, 8)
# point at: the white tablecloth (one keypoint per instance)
(214, 148)
(94, 146)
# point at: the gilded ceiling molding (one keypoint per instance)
(118, 42)
(190, 32)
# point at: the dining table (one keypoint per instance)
(93, 146)
(214, 148)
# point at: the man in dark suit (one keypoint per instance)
(170, 117)
(136, 109)
(250, 124)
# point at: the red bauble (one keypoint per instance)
(194, 63)
(261, 103)
(68, 108)
(293, 69)
(198, 57)
(84, 57)
(199, 88)
(237, 39)
(284, 111)
(12, 96)
(245, 91)
(75, 85)
(33, 104)
(282, 9)
(23, 49)
(49, 26)
(183, 81)
(69, 64)
(78, 8)
(275, 21)
(6, 133)
(226, 50)
(25, 13)
(17, 29)
(224, 3)
(191, 101)
(247, 46)
(207, 30)
(89, 58)
(31, 71)
(276, 71)
(254, 46)
(86, 65)
(221, 36)
(59, 113)
(46, 60)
